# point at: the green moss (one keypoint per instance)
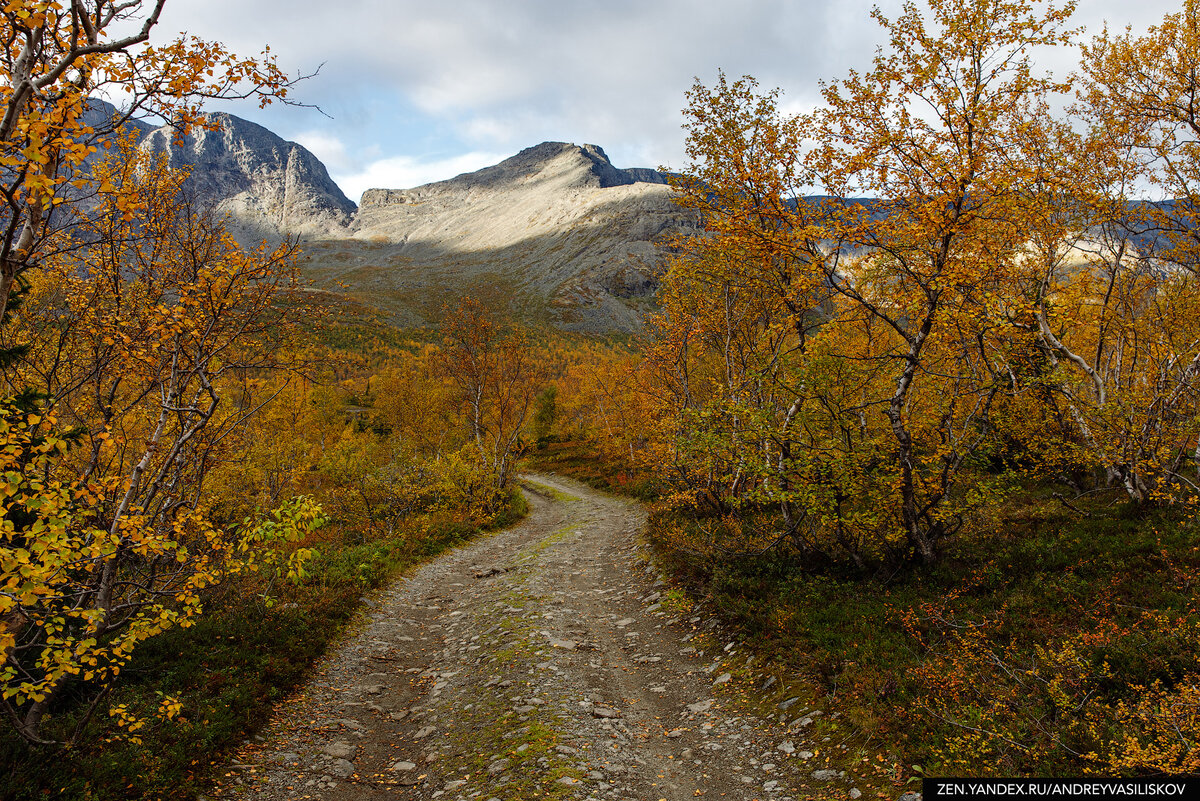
(911, 660)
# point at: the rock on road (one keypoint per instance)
(543, 661)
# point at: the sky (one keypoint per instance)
(413, 91)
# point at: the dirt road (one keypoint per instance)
(545, 661)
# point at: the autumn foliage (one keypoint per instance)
(921, 401)
(970, 298)
(931, 335)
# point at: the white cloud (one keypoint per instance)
(405, 172)
(494, 76)
(328, 148)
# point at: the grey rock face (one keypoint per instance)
(557, 228)
(267, 186)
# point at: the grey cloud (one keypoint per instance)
(504, 74)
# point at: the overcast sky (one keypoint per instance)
(421, 90)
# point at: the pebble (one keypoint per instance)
(339, 749)
(611, 750)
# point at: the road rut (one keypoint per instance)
(544, 661)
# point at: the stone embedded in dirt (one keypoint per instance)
(652, 597)
(339, 749)
(806, 754)
(496, 647)
(372, 689)
(769, 683)
(569, 781)
(910, 796)
(855, 793)
(723, 678)
(454, 785)
(824, 775)
(789, 702)
(653, 607)
(489, 572)
(342, 768)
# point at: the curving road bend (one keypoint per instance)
(543, 661)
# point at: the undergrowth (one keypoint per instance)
(246, 653)
(1053, 645)
(1055, 642)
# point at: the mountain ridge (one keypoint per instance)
(556, 231)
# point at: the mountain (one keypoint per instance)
(267, 186)
(556, 232)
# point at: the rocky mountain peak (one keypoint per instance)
(556, 231)
(561, 165)
(267, 185)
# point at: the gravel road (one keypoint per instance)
(543, 661)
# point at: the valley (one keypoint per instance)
(555, 235)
